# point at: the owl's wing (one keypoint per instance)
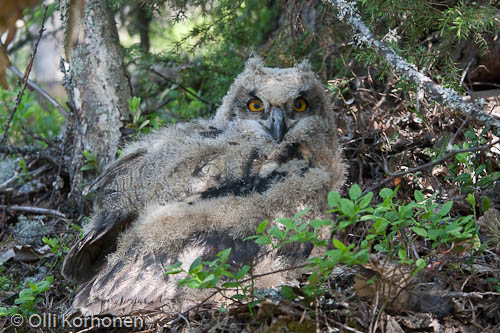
(121, 195)
(117, 167)
(87, 255)
(137, 282)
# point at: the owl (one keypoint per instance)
(191, 190)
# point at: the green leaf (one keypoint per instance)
(26, 295)
(365, 200)
(263, 240)
(133, 104)
(420, 231)
(302, 213)
(262, 226)
(420, 263)
(471, 200)
(173, 271)
(464, 177)
(338, 244)
(402, 254)
(334, 255)
(243, 270)
(386, 193)
(87, 167)
(419, 197)
(288, 223)
(485, 203)
(230, 285)
(191, 283)
(362, 257)
(287, 292)
(347, 207)
(296, 237)
(209, 278)
(319, 223)
(223, 255)
(355, 192)
(445, 208)
(238, 297)
(462, 157)
(195, 266)
(406, 212)
(333, 199)
(345, 224)
(275, 232)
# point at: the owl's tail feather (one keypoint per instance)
(87, 256)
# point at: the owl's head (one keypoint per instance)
(279, 100)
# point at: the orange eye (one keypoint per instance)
(300, 105)
(255, 105)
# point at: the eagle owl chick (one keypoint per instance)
(197, 188)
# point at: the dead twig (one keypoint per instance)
(34, 210)
(350, 329)
(44, 154)
(49, 142)
(25, 79)
(201, 99)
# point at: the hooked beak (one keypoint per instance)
(278, 126)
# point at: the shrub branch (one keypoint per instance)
(25, 79)
(450, 98)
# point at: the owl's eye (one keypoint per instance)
(300, 105)
(255, 105)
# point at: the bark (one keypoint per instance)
(142, 23)
(96, 83)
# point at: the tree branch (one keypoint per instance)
(41, 91)
(25, 79)
(450, 98)
(34, 210)
(201, 99)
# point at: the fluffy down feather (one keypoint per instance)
(197, 188)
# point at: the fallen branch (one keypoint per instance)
(33, 210)
(450, 98)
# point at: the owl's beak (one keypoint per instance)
(278, 126)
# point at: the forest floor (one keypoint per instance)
(457, 291)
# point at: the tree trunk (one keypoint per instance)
(96, 84)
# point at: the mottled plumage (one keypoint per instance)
(197, 188)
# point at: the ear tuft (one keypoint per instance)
(254, 63)
(304, 66)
